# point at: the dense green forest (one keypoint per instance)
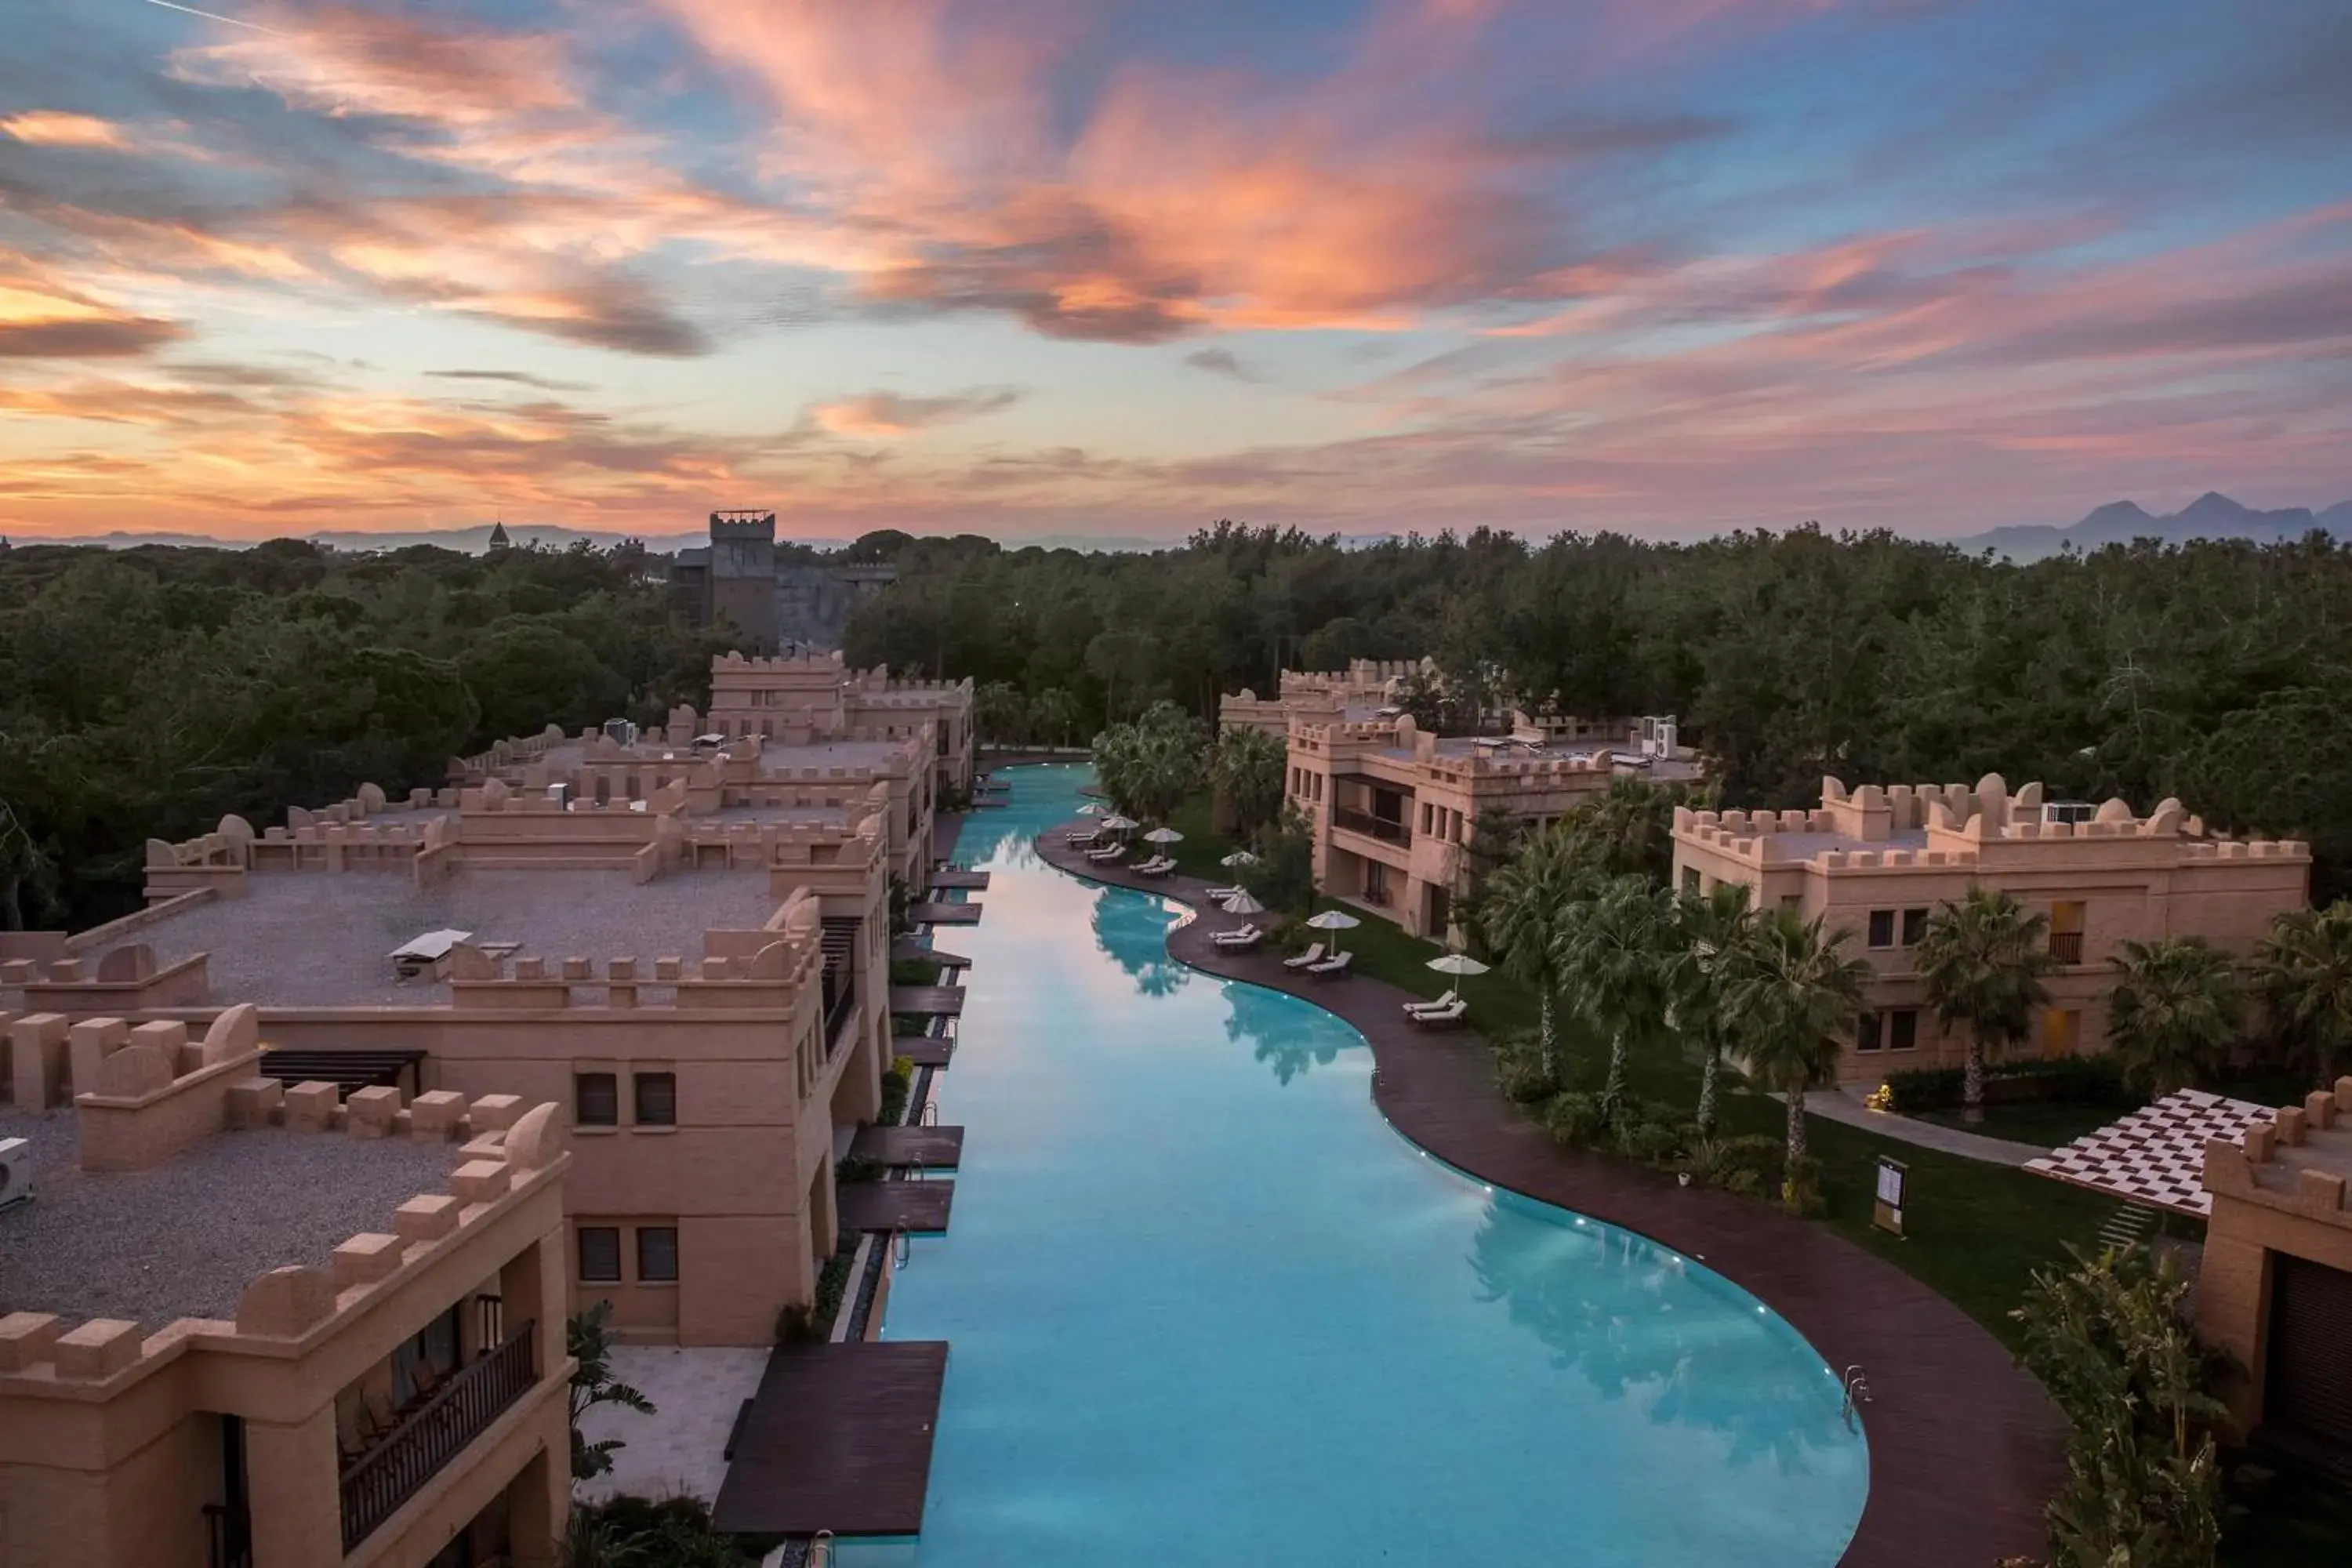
(2220, 672)
(144, 693)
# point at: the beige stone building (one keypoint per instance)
(2274, 1288)
(815, 698)
(245, 1326)
(1319, 697)
(1392, 809)
(1874, 862)
(685, 946)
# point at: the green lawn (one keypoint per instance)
(2045, 1123)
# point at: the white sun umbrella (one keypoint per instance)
(1335, 921)
(1243, 904)
(1239, 857)
(1164, 836)
(1457, 964)
(1117, 823)
(1093, 808)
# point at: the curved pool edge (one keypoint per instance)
(1964, 1447)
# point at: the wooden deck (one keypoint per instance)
(905, 950)
(933, 1148)
(838, 1437)
(917, 1206)
(959, 876)
(924, 1050)
(1965, 1448)
(926, 1000)
(944, 914)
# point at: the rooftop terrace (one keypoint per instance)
(185, 1238)
(296, 940)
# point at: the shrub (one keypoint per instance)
(1574, 1118)
(1519, 1068)
(859, 1168)
(2085, 1080)
(896, 1083)
(1652, 1142)
(915, 970)
(2143, 1483)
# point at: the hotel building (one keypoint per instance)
(1875, 862)
(248, 1326)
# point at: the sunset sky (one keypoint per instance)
(1052, 266)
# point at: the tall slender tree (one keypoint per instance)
(1616, 956)
(2303, 968)
(1981, 966)
(1711, 933)
(2175, 1008)
(1523, 916)
(1795, 995)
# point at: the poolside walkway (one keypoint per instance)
(1837, 1105)
(1965, 1448)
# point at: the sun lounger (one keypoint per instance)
(1218, 894)
(1439, 1006)
(1241, 936)
(1312, 955)
(1334, 965)
(1159, 866)
(1444, 1017)
(1112, 853)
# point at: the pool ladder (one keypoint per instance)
(1857, 1391)
(819, 1552)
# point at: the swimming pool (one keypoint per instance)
(1207, 1308)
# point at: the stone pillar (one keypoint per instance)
(532, 1290)
(537, 1501)
(294, 1485)
(37, 1044)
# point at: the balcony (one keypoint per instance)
(838, 1014)
(1370, 827)
(433, 1435)
(2066, 946)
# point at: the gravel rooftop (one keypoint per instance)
(184, 1239)
(324, 939)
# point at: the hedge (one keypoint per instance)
(2081, 1080)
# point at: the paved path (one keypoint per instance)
(1964, 1446)
(1837, 1105)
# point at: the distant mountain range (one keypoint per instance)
(2210, 516)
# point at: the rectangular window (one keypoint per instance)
(596, 1099)
(1690, 879)
(1915, 926)
(656, 1254)
(600, 1255)
(1882, 928)
(1793, 902)
(1866, 1032)
(656, 1099)
(1905, 1033)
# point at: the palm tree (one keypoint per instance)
(1795, 995)
(1616, 953)
(1245, 770)
(2304, 969)
(1981, 963)
(2175, 1008)
(1710, 929)
(1525, 908)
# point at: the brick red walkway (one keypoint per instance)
(1964, 1446)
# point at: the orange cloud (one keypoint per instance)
(55, 127)
(891, 413)
(42, 320)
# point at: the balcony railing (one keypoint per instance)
(436, 1433)
(837, 1014)
(2066, 946)
(1370, 827)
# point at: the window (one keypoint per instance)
(1906, 1032)
(656, 1254)
(656, 1099)
(600, 1253)
(1690, 879)
(1793, 902)
(1915, 926)
(1882, 928)
(596, 1099)
(1866, 1032)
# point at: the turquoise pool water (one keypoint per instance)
(1207, 1308)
